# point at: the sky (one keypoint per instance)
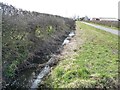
(69, 8)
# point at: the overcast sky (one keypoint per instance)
(69, 8)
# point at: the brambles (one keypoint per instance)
(26, 33)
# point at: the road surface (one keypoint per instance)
(113, 31)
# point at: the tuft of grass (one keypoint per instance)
(94, 66)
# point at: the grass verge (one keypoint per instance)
(94, 66)
(114, 28)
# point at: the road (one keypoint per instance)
(113, 31)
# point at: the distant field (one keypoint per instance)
(95, 64)
(108, 24)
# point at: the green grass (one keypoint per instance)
(115, 28)
(95, 65)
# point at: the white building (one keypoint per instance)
(108, 19)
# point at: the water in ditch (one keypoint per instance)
(31, 78)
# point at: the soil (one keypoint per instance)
(73, 46)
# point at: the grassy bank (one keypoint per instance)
(95, 63)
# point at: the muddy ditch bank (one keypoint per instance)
(30, 73)
(51, 62)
